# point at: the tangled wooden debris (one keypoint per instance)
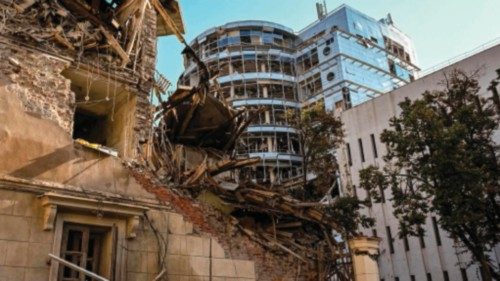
(191, 152)
(110, 31)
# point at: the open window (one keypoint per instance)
(104, 113)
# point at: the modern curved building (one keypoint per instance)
(343, 59)
(255, 65)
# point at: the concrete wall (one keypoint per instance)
(372, 117)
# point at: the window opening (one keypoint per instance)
(374, 146)
(436, 231)
(330, 76)
(101, 113)
(349, 157)
(406, 243)
(361, 151)
(389, 239)
(327, 51)
(445, 276)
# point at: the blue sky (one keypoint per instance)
(440, 29)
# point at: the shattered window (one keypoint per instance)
(311, 86)
(307, 61)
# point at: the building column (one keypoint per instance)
(270, 144)
(364, 252)
(265, 93)
(272, 175)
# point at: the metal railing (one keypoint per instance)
(77, 268)
(460, 57)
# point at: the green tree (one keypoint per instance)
(442, 159)
(321, 133)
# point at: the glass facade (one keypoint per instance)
(255, 66)
(343, 60)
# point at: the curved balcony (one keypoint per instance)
(242, 24)
(272, 128)
(255, 76)
(262, 101)
(274, 156)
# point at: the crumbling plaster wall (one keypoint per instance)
(36, 79)
(46, 92)
(145, 72)
(40, 150)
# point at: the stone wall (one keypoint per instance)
(36, 78)
(24, 246)
(36, 68)
(145, 71)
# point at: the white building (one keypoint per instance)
(433, 257)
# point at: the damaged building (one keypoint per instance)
(343, 59)
(91, 190)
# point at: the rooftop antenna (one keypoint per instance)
(321, 9)
(389, 19)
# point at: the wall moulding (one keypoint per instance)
(52, 203)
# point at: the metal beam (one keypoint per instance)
(77, 268)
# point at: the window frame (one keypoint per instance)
(98, 248)
(117, 266)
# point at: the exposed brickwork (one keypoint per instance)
(145, 72)
(269, 265)
(45, 92)
(38, 82)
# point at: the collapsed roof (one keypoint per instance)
(89, 26)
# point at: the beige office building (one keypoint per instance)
(434, 257)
